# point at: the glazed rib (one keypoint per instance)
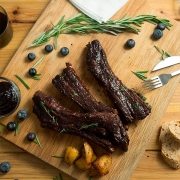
(129, 105)
(71, 85)
(107, 133)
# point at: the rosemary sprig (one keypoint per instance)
(163, 53)
(37, 141)
(36, 77)
(140, 74)
(38, 62)
(88, 125)
(1, 127)
(22, 81)
(58, 178)
(56, 156)
(82, 24)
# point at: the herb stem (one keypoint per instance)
(82, 24)
(22, 81)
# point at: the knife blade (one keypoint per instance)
(170, 61)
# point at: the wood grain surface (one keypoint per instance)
(151, 165)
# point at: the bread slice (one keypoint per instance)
(170, 147)
(174, 128)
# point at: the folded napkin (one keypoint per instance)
(99, 10)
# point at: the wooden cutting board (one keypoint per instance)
(122, 61)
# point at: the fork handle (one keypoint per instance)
(175, 73)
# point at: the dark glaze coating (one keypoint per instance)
(8, 98)
(109, 131)
(71, 85)
(129, 104)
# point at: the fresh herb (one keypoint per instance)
(122, 88)
(58, 178)
(137, 105)
(1, 127)
(90, 178)
(140, 74)
(48, 111)
(63, 130)
(88, 125)
(36, 77)
(37, 141)
(82, 24)
(56, 156)
(17, 129)
(139, 94)
(74, 93)
(38, 62)
(163, 53)
(22, 81)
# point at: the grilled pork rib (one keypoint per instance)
(106, 133)
(129, 104)
(71, 85)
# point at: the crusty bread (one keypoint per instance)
(174, 128)
(170, 147)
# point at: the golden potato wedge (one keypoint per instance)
(71, 154)
(103, 163)
(82, 164)
(85, 154)
(88, 152)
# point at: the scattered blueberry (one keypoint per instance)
(64, 51)
(22, 114)
(11, 126)
(31, 56)
(5, 167)
(161, 26)
(31, 136)
(157, 34)
(48, 48)
(32, 72)
(130, 43)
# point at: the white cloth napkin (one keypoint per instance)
(99, 10)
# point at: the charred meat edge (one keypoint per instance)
(54, 116)
(71, 85)
(128, 103)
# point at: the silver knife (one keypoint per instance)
(170, 61)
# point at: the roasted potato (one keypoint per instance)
(71, 154)
(82, 164)
(88, 153)
(103, 163)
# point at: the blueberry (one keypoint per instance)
(48, 48)
(11, 126)
(64, 51)
(31, 56)
(32, 72)
(130, 43)
(5, 167)
(157, 34)
(22, 114)
(31, 136)
(161, 26)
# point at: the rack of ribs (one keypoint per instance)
(129, 105)
(107, 133)
(71, 85)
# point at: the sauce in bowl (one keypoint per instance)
(9, 97)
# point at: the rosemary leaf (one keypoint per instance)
(38, 62)
(88, 125)
(17, 129)
(22, 81)
(56, 156)
(82, 24)
(163, 53)
(58, 178)
(140, 74)
(38, 142)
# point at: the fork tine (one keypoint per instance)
(152, 83)
(153, 87)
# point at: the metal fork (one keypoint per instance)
(158, 81)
